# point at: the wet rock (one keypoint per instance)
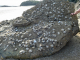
(41, 31)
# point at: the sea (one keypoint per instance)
(8, 13)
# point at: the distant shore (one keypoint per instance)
(8, 6)
(28, 3)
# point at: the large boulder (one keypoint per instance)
(41, 31)
(77, 6)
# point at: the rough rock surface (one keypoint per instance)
(70, 52)
(77, 6)
(41, 31)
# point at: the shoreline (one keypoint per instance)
(9, 13)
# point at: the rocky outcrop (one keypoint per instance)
(41, 31)
(77, 6)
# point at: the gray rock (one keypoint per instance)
(77, 6)
(41, 31)
(21, 21)
(69, 52)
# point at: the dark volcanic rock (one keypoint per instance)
(41, 31)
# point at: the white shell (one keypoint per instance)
(43, 41)
(39, 49)
(25, 45)
(54, 3)
(62, 29)
(26, 42)
(30, 50)
(54, 35)
(46, 5)
(0, 44)
(53, 42)
(30, 34)
(50, 12)
(22, 51)
(64, 32)
(53, 32)
(19, 44)
(15, 49)
(5, 49)
(47, 41)
(34, 41)
(16, 30)
(69, 28)
(27, 48)
(22, 36)
(47, 46)
(10, 42)
(52, 45)
(58, 11)
(65, 17)
(58, 33)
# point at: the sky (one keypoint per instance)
(11, 2)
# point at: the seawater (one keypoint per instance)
(8, 13)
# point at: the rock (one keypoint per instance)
(41, 31)
(77, 6)
(66, 53)
(21, 21)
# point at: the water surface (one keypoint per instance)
(8, 13)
